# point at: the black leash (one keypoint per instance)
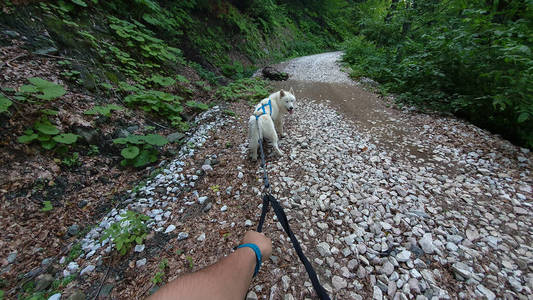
(268, 200)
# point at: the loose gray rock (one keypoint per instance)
(426, 243)
(77, 295)
(43, 282)
(201, 237)
(403, 256)
(170, 228)
(139, 248)
(462, 269)
(182, 236)
(87, 269)
(387, 268)
(377, 294)
(338, 283)
(141, 262)
(324, 249)
(12, 257)
(176, 136)
(73, 229)
(55, 297)
(251, 296)
(486, 292)
(286, 282)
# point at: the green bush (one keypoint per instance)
(472, 59)
(103, 110)
(42, 89)
(249, 89)
(159, 103)
(131, 229)
(139, 150)
(47, 134)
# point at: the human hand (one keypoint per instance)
(264, 243)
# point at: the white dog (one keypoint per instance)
(268, 116)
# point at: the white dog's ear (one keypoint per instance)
(291, 91)
(282, 93)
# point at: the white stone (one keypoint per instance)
(141, 262)
(201, 237)
(324, 249)
(251, 296)
(486, 292)
(338, 283)
(170, 228)
(377, 294)
(403, 256)
(87, 269)
(139, 248)
(426, 243)
(72, 266)
(182, 236)
(55, 297)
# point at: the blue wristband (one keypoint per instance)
(257, 255)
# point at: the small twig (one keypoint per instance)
(10, 60)
(102, 283)
(148, 289)
(60, 57)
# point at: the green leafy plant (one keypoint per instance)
(47, 134)
(159, 103)
(140, 149)
(230, 113)
(130, 229)
(72, 74)
(72, 161)
(182, 79)
(162, 80)
(93, 150)
(197, 105)
(158, 277)
(190, 261)
(103, 110)
(47, 206)
(74, 253)
(249, 89)
(5, 103)
(471, 58)
(42, 89)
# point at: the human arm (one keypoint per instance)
(228, 278)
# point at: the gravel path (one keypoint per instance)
(443, 211)
(387, 204)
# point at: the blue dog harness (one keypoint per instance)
(269, 104)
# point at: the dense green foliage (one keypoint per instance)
(140, 149)
(472, 58)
